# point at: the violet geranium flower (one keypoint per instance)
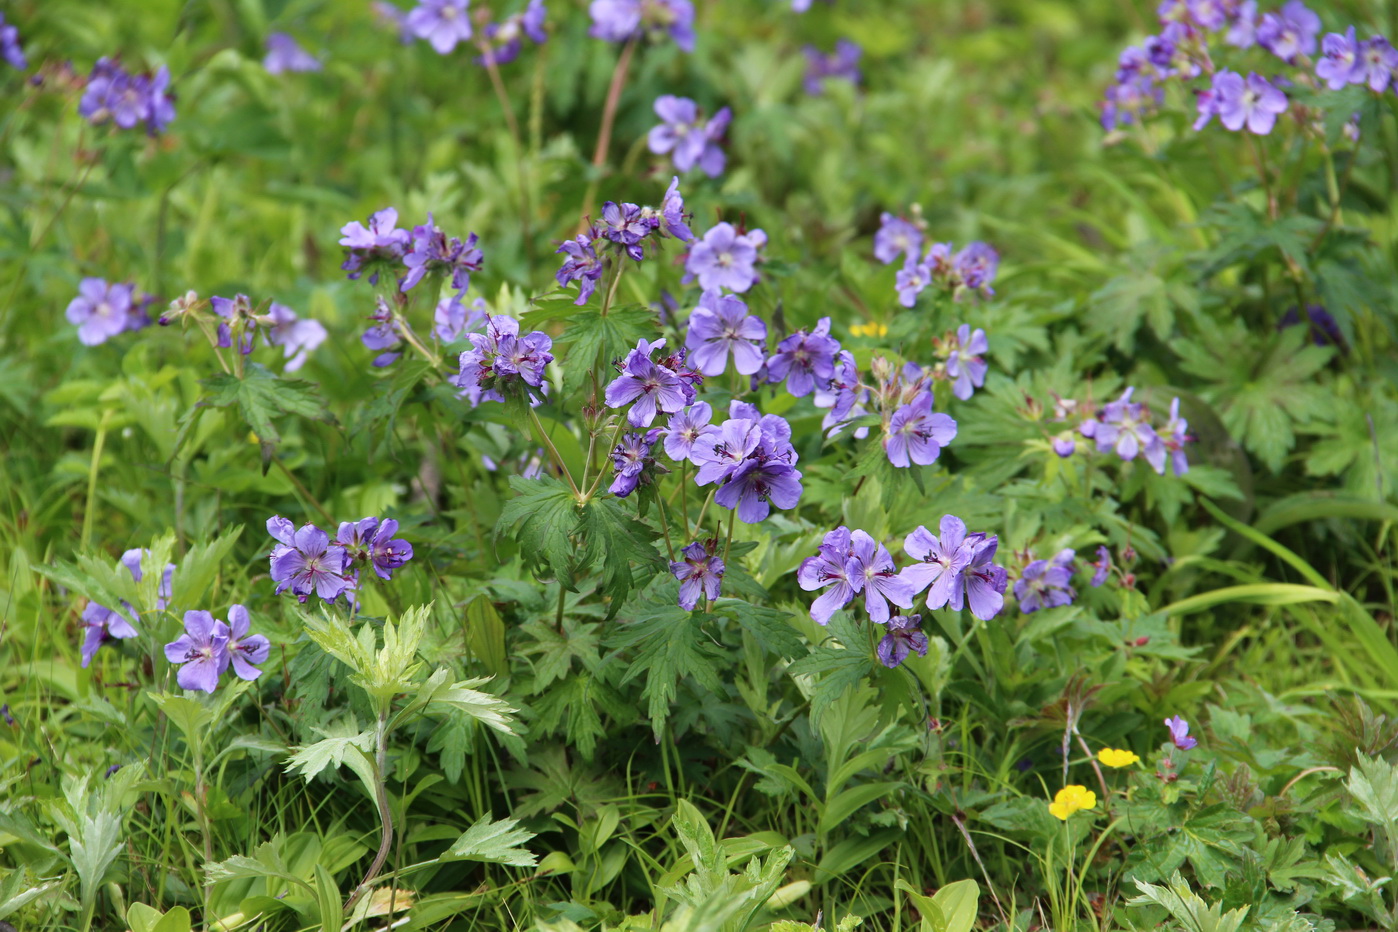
(244, 650)
(725, 258)
(1046, 583)
(916, 434)
(386, 552)
(100, 311)
(306, 562)
(896, 237)
(623, 20)
(1179, 733)
(285, 54)
(965, 366)
(630, 458)
(202, 651)
(806, 361)
(443, 23)
(903, 636)
(841, 64)
(1289, 32)
(700, 572)
(689, 140)
(654, 388)
(688, 429)
(872, 572)
(1252, 102)
(936, 560)
(719, 326)
(1339, 64)
(829, 570)
(10, 49)
(296, 337)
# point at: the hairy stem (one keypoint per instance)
(604, 135)
(385, 813)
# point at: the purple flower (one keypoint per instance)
(443, 23)
(1378, 61)
(386, 552)
(682, 133)
(829, 570)
(1102, 566)
(1046, 583)
(653, 388)
(687, 429)
(100, 311)
(758, 484)
(125, 99)
(630, 458)
(1289, 32)
(975, 266)
(1253, 103)
(381, 244)
(431, 251)
(583, 265)
(451, 318)
(916, 435)
(500, 358)
(284, 54)
(983, 581)
(721, 325)
(296, 337)
(755, 461)
(202, 651)
(724, 258)
(845, 397)
(103, 623)
(805, 360)
(1179, 733)
(699, 572)
(244, 650)
(1209, 14)
(1242, 32)
(896, 237)
(305, 562)
(623, 20)
(871, 571)
(1064, 444)
(503, 39)
(1174, 435)
(1320, 324)
(965, 365)
(10, 48)
(1128, 101)
(1123, 429)
(935, 560)
(1340, 64)
(911, 280)
(671, 219)
(903, 637)
(842, 64)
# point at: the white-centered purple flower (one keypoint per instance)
(845, 397)
(1174, 435)
(583, 266)
(452, 318)
(1378, 62)
(375, 247)
(1124, 429)
(202, 651)
(1340, 64)
(296, 337)
(725, 258)
(871, 571)
(285, 54)
(306, 562)
(1242, 31)
(1252, 102)
(1046, 583)
(805, 360)
(650, 388)
(386, 552)
(965, 366)
(902, 636)
(1289, 32)
(101, 310)
(443, 23)
(1209, 14)
(916, 434)
(688, 139)
(721, 326)
(755, 462)
(689, 428)
(624, 20)
(829, 570)
(959, 566)
(912, 279)
(896, 237)
(126, 100)
(431, 251)
(244, 649)
(699, 573)
(501, 360)
(975, 266)
(631, 458)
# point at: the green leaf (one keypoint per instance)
(1188, 908)
(834, 672)
(542, 517)
(260, 396)
(485, 635)
(201, 564)
(1374, 785)
(594, 341)
(614, 540)
(266, 861)
(958, 905)
(143, 918)
(770, 627)
(438, 695)
(93, 847)
(665, 643)
(334, 750)
(493, 842)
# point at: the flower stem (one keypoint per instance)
(604, 135)
(554, 454)
(385, 813)
(92, 472)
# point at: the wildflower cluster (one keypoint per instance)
(209, 646)
(1046, 583)
(1123, 427)
(972, 269)
(500, 42)
(656, 20)
(1184, 51)
(500, 361)
(114, 95)
(306, 561)
(409, 255)
(103, 310)
(839, 65)
(687, 137)
(230, 322)
(624, 229)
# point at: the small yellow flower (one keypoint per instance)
(872, 329)
(1114, 757)
(1070, 799)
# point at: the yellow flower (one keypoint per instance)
(1070, 799)
(871, 329)
(1114, 757)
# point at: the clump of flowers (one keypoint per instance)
(632, 461)
(307, 562)
(102, 624)
(971, 270)
(625, 229)
(655, 20)
(721, 327)
(805, 360)
(1072, 798)
(500, 362)
(725, 258)
(839, 65)
(957, 569)
(103, 310)
(230, 322)
(1123, 427)
(688, 138)
(127, 100)
(209, 646)
(1046, 583)
(501, 42)
(370, 542)
(753, 461)
(650, 386)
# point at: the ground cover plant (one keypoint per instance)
(744, 464)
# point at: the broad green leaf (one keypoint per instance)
(494, 842)
(613, 540)
(197, 570)
(261, 396)
(542, 517)
(1187, 908)
(664, 643)
(93, 849)
(958, 903)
